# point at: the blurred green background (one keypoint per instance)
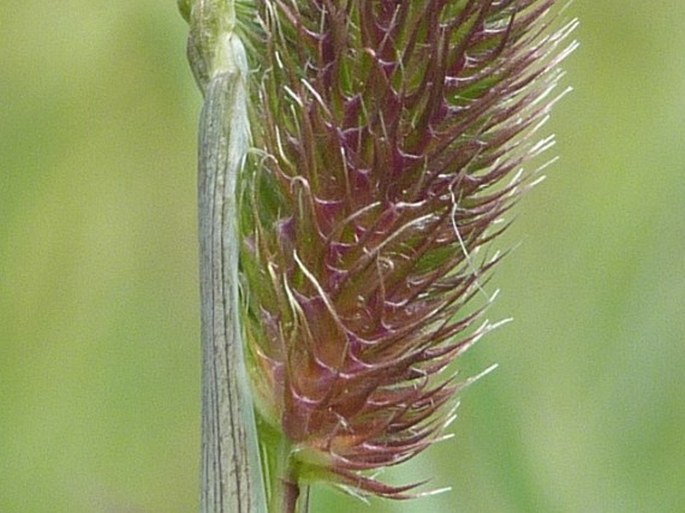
(99, 354)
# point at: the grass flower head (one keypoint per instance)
(389, 140)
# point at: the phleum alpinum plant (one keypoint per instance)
(357, 158)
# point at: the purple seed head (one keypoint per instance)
(389, 136)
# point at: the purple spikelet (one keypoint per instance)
(389, 136)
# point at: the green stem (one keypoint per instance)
(291, 494)
(285, 491)
(303, 501)
(231, 469)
